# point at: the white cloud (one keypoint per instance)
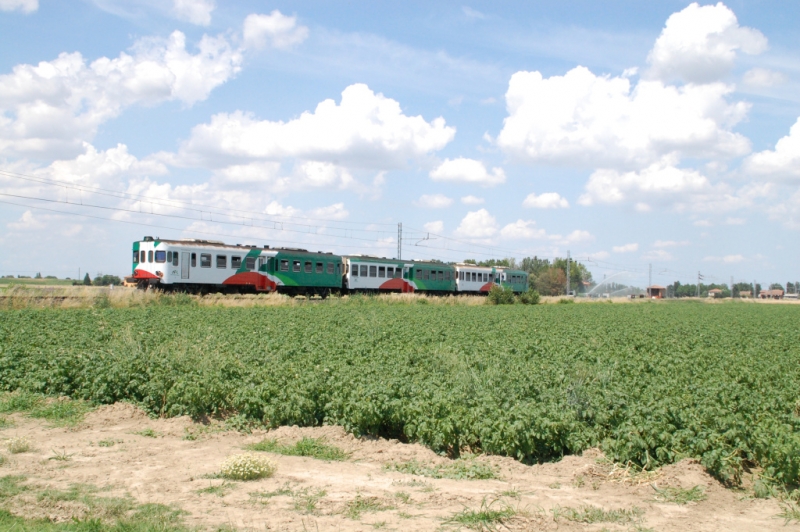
(54, 106)
(436, 227)
(275, 29)
(434, 201)
(627, 248)
(26, 6)
(658, 255)
(581, 118)
(26, 222)
(477, 224)
(702, 223)
(548, 200)
(522, 229)
(472, 13)
(699, 44)
(783, 162)
(465, 170)
(658, 179)
(472, 200)
(578, 236)
(763, 77)
(336, 211)
(669, 243)
(598, 255)
(195, 11)
(735, 221)
(365, 130)
(727, 259)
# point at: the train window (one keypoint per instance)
(175, 259)
(250, 263)
(236, 262)
(364, 270)
(284, 265)
(161, 256)
(474, 277)
(141, 256)
(205, 260)
(355, 270)
(194, 260)
(330, 268)
(169, 256)
(136, 257)
(373, 271)
(381, 271)
(397, 273)
(222, 261)
(441, 275)
(295, 265)
(389, 272)
(426, 275)
(320, 268)
(447, 275)
(308, 267)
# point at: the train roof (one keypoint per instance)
(195, 242)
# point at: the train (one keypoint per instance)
(206, 266)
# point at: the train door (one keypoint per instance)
(184, 264)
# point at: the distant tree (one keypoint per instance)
(470, 261)
(105, 280)
(776, 286)
(87, 280)
(51, 277)
(551, 282)
(38, 275)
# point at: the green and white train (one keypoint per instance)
(202, 266)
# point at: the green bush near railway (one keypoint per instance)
(649, 383)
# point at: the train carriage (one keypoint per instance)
(517, 280)
(366, 273)
(432, 277)
(206, 265)
(474, 279)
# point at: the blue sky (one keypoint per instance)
(628, 133)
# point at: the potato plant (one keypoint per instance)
(649, 383)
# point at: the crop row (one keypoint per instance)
(649, 383)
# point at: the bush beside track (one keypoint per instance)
(649, 383)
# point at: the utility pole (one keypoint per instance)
(400, 241)
(731, 286)
(568, 261)
(699, 278)
(754, 289)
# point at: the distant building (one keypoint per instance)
(657, 292)
(771, 294)
(715, 292)
(745, 293)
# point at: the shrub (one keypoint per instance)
(247, 466)
(500, 295)
(19, 445)
(531, 297)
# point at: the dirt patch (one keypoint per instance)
(123, 455)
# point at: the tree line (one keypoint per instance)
(547, 278)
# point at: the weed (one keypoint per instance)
(106, 443)
(10, 486)
(306, 500)
(62, 411)
(763, 489)
(360, 505)
(679, 495)
(61, 456)
(148, 433)
(19, 445)
(220, 490)
(594, 514)
(461, 469)
(555, 486)
(2, 459)
(189, 435)
(18, 401)
(485, 518)
(379, 524)
(282, 491)
(99, 507)
(510, 492)
(5, 423)
(790, 511)
(403, 497)
(247, 466)
(311, 447)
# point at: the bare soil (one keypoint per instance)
(310, 494)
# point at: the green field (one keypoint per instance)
(649, 383)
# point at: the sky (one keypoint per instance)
(650, 140)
